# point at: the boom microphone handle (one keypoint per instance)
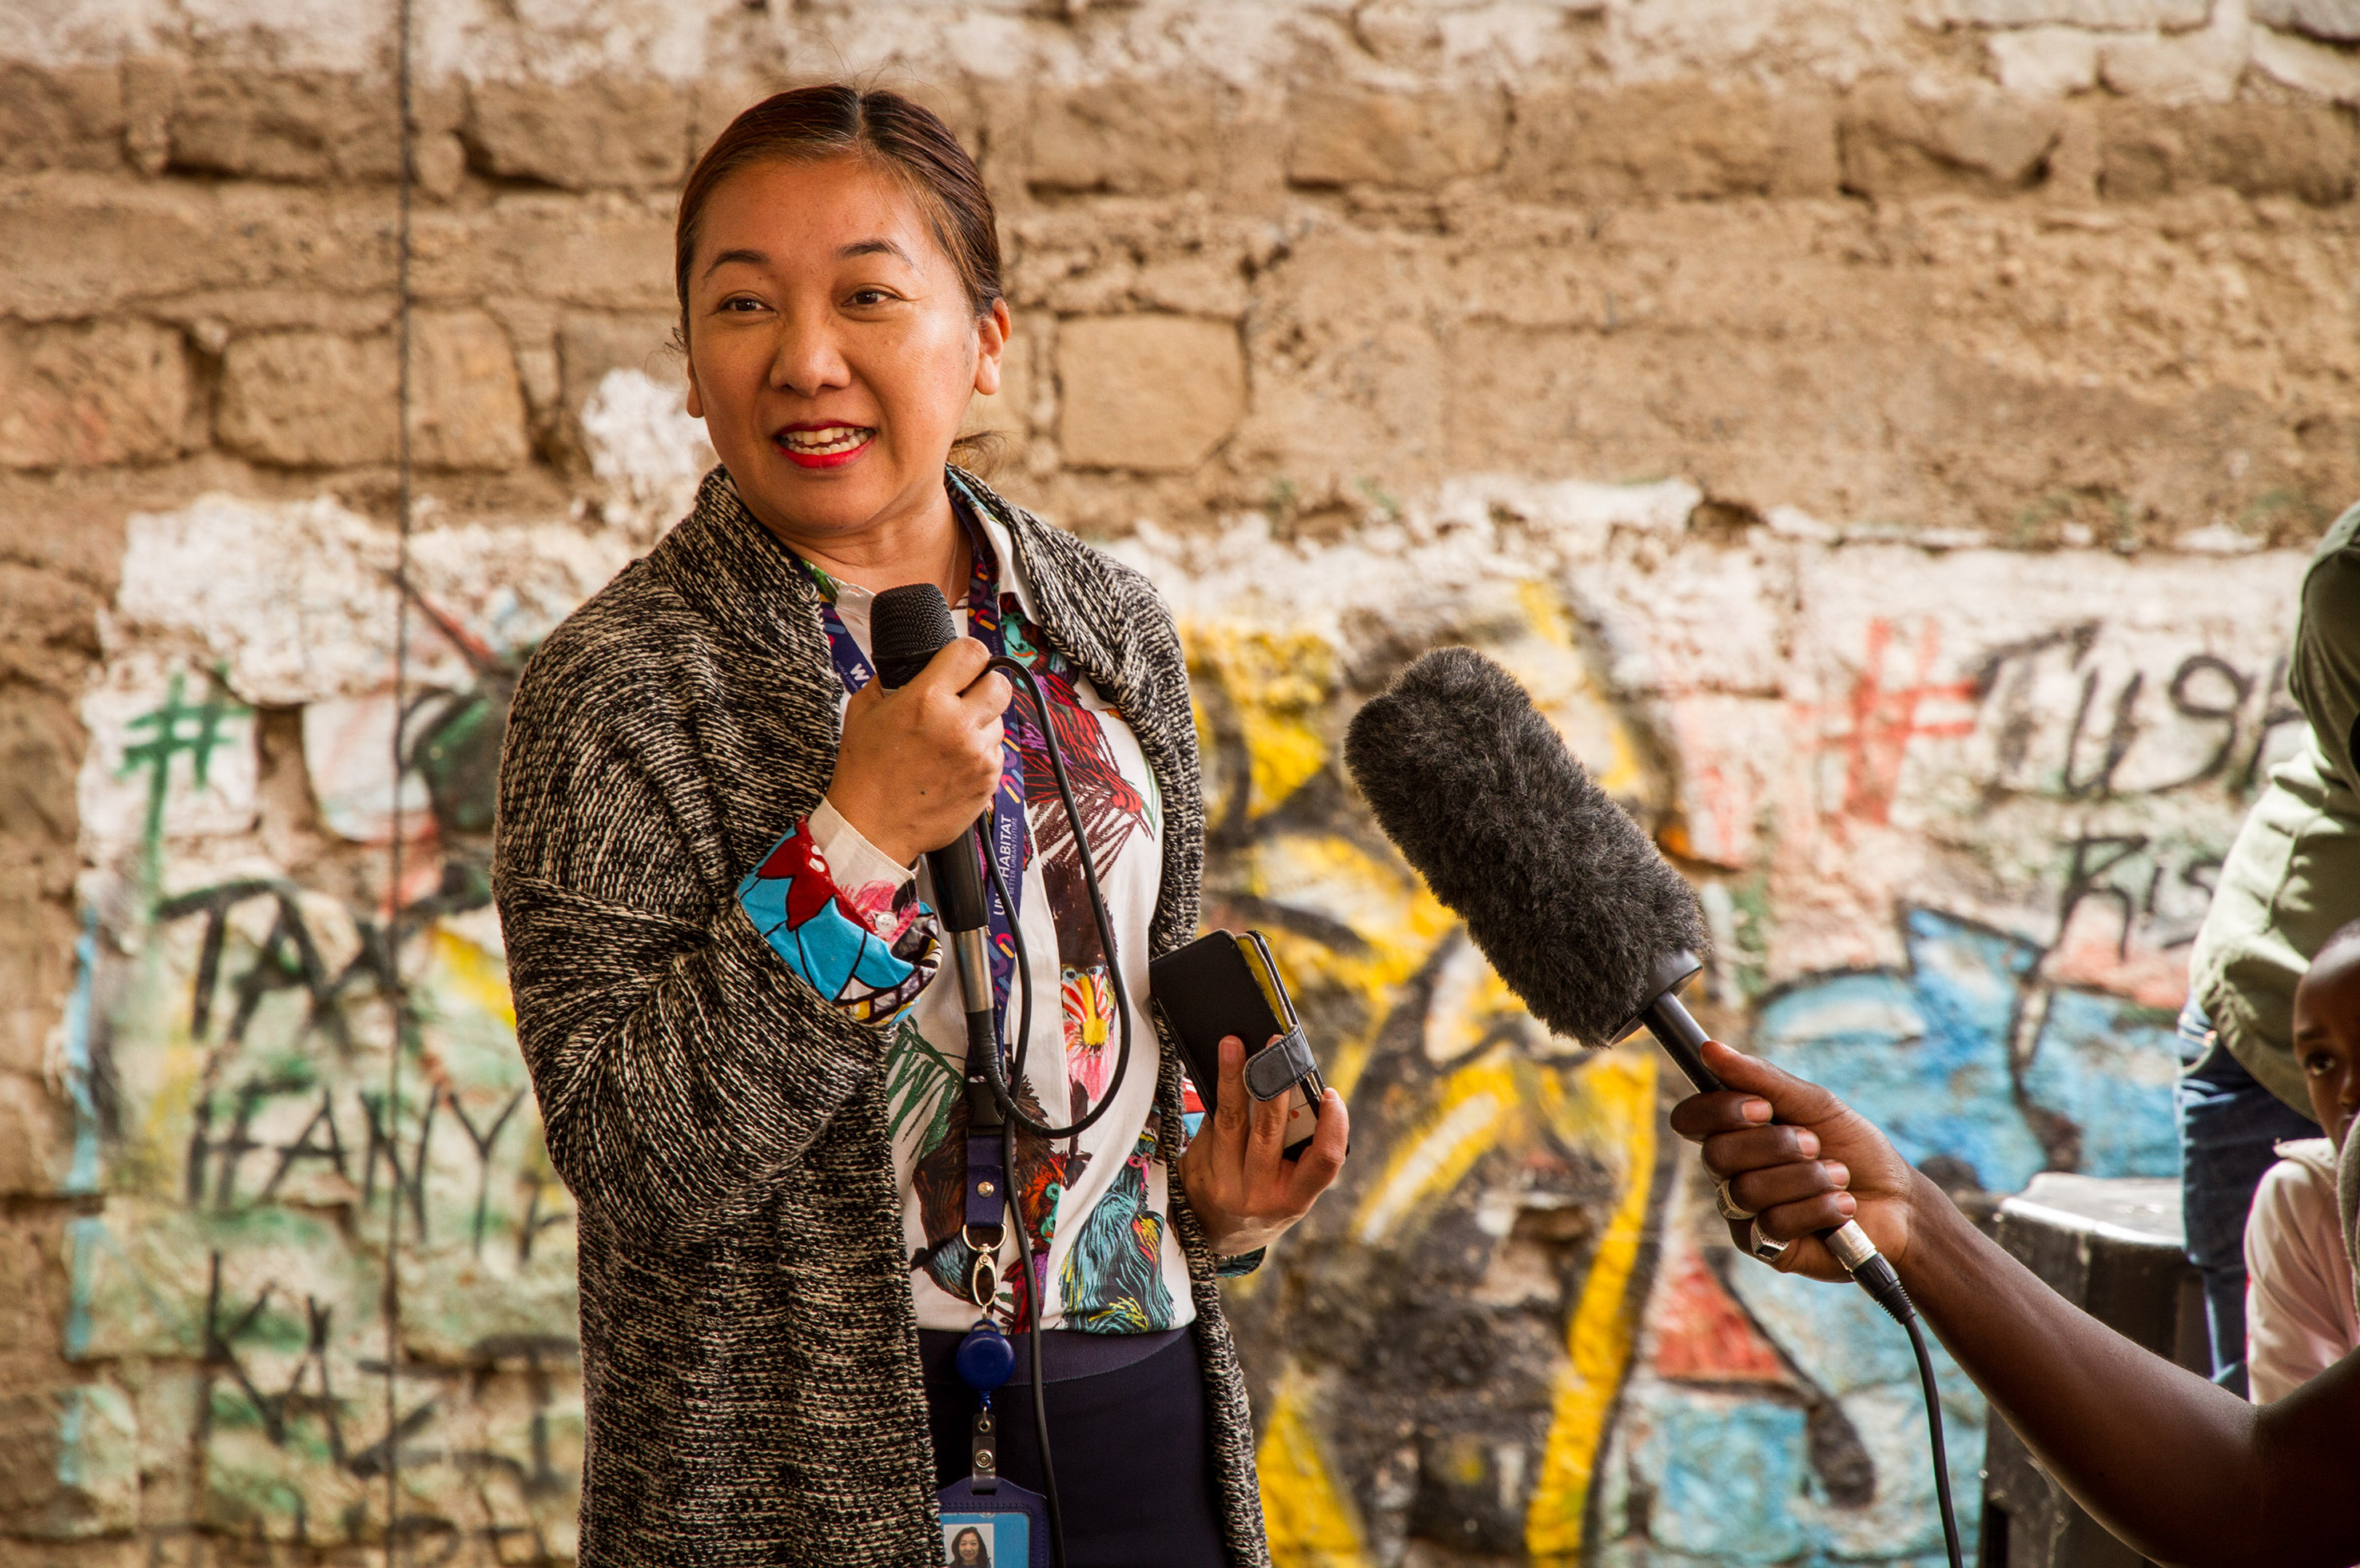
(1676, 1030)
(1683, 1039)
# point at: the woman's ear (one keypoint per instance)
(991, 342)
(696, 399)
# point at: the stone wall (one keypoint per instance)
(1885, 437)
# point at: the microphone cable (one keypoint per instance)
(1035, 1289)
(1000, 1077)
(1934, 1428)
(1876, 1276)
(992, 1069)
(922, 626)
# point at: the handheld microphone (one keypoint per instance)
(1574, 908)
(907, 627)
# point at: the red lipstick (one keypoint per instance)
(829, 443)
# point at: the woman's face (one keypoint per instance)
(832, 350)
(970, 1547)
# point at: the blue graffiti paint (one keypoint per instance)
(1725, 1476)
(1845, 1344)
(84, 1235)
(70, 1469)
(86, 1231)
(1924, 1053)
(2106, 1065)
(81, 1172)
(1838, 1339)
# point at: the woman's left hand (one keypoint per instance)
(1245, 1192)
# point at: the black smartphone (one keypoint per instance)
(1225, 982)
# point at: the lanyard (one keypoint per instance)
(1011, 839)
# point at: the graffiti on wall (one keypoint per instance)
(1955, 829)
(296, 1083)
(1952, 815)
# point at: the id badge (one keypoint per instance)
(988, 1519)
(1005, 1527)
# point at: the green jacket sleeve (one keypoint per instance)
(2323, 672)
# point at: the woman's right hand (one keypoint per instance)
(917, 765)
(1802, 1160)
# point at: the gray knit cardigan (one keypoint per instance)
(749, 1343)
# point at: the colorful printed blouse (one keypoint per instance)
(858, 928)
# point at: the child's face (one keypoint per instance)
(2327, 1037)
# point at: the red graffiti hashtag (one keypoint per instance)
(1885, 721)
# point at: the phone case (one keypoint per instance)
(1225, 982)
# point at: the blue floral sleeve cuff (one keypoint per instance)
(867, 946)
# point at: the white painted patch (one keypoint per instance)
(294, 600)
(294, 35)
(643, 442)
(1864, 723)
(293, 604)
(348, 752)
(82, 32)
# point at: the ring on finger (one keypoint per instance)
(1763, 1247)
(1728, 1207)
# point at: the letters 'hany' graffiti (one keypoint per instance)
(1506, 1335)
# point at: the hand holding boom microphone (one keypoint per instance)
(1573, 905)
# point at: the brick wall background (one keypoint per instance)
(1885, 436)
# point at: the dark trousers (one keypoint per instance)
(2228, 1123)
(1134, 1472)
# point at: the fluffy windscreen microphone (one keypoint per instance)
(1575, 908)
(1563, 894)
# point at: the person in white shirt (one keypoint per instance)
(2300, 1318)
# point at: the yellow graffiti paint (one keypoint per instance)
(1386, 906)
(1308, 1521)
(1454, 1030)
(1476, 1104)
(1558, 675)
(476, 975)
(1279, 684)
(1398, 920)
(1615, 1095)
(1546, 610)
(1625, 775)
(1588, 1106)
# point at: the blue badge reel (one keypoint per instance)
(988, 1522)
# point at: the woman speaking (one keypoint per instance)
(750, 1054)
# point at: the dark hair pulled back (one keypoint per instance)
(836, 119)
